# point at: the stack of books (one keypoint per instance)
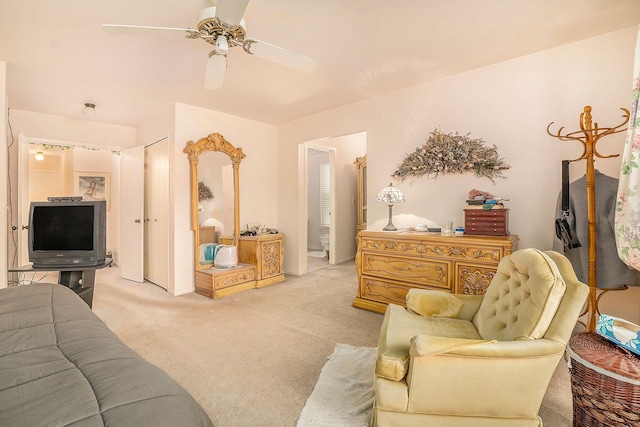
(486, 204)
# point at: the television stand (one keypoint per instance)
(79, 279)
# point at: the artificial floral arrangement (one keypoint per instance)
(204, 193)
(446, 153)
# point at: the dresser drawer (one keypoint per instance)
(473, 279)
(434, 273)
(386, 291)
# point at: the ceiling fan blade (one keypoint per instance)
(118, 29)
(214, 74)
(278, 55)
(231, 11)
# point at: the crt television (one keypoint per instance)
(67, 233)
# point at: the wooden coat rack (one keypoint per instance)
(589, 134)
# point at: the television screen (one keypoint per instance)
(64, 233)
(63, 228)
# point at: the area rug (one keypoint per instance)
(343, 396)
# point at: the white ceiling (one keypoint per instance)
(59, 57)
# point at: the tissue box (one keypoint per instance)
(620, 332)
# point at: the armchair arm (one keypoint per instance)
(516, 372)
(427, 302)
(427, 345)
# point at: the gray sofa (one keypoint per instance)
(61, 366)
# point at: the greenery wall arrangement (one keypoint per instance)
(204, 193)
(447, 153)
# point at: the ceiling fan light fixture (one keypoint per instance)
(223, 27)
(222, 45)
(89, 110)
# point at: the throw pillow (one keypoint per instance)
(433, 303)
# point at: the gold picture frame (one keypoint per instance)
(92, 185)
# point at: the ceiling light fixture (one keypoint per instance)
(39, 156)
(89, 110)
(222, 45)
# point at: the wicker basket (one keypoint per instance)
(605, 382)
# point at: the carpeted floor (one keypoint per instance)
(316, 262)
(254, 358)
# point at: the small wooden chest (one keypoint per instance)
(493, 222)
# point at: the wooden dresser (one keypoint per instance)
(389, 263)
(266, 252)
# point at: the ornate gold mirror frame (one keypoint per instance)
(213, 142)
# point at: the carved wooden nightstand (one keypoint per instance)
(266, 252)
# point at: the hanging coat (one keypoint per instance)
(611, 272)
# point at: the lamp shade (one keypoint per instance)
(390, 195)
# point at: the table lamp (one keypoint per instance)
(390, 195)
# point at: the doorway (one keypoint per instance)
(319, 201)
(56, 172)
(342, 151)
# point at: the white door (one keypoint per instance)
(132, 214)
(23, 200)
(156, 201)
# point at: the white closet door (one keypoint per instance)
(156, 200)
(131, 213)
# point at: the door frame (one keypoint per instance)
(304, 196)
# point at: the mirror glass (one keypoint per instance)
(214, 166)
(215, 196)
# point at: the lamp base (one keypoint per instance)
(390, 226)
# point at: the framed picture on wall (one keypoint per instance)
(92, 185)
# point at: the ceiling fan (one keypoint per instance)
(222, 26)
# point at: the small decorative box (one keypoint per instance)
(620, 332)
(493, 222)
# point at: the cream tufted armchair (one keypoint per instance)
(478, 360)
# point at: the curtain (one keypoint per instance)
(627, 217)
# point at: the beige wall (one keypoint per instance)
(6, 228)
(508, 104)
